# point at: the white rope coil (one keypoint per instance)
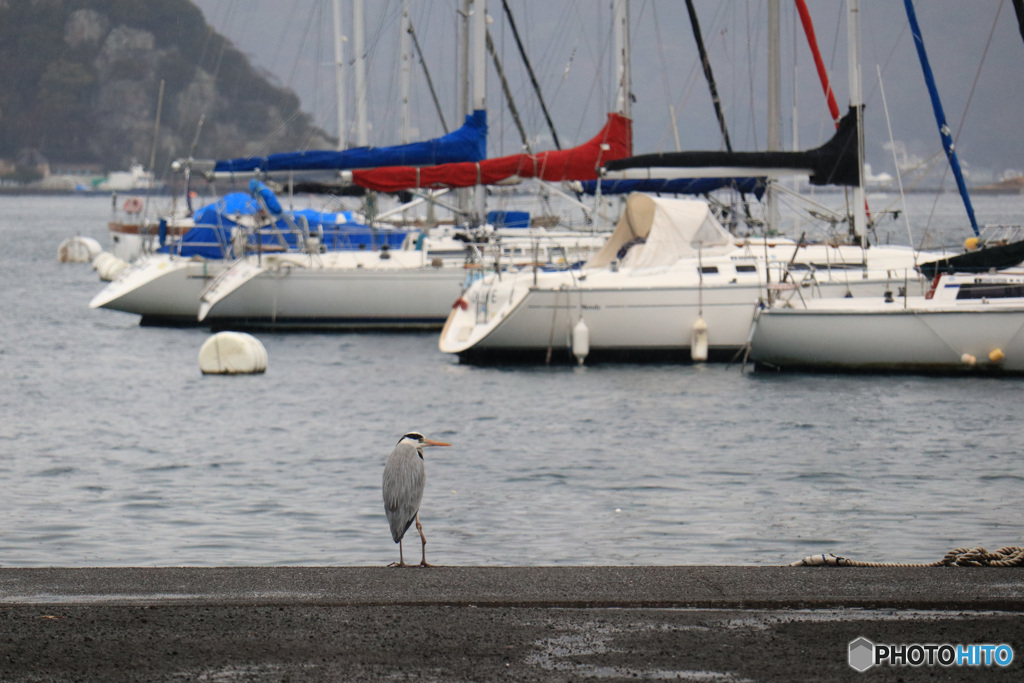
(1010, 556)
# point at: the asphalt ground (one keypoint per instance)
(497, 623)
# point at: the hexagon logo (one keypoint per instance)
(862, 654)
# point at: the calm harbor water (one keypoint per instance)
(115, 450)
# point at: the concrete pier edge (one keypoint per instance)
(488, 623)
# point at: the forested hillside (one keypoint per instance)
(79, 84)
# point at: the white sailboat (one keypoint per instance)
(668, 264)
(413, 289)
(967, 322)
(388, 289)
(690, 289)
(164, 286)
(970, 320)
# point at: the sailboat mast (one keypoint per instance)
(623, 69)
(479, 87)
(462, 194)
(406, 69)
(774, 105)
(362, 131)
(856, 103)
(774, 78)
(464, 60)
(339, 76)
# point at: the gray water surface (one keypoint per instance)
(115, 450)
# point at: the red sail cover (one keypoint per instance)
(578, 163)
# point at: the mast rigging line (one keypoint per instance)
(709, 76)
(508, 93)
(430, 81)
(529, 70)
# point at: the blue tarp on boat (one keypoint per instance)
(509, 219)
(211, 236)
(468, 143)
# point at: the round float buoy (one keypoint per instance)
(78, 250)
(232, 353)
(580, 341)
(699, 341)
(108, 266)
(133, 205)
(971, 243)
(996, 355)
(968, 359)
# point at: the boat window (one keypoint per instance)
(989, 290)
(799, 266)
(839, 266)
(709, 269)
(746, 268)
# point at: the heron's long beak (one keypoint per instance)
(428, 442)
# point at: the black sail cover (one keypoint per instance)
(834, 163)
(991, 257)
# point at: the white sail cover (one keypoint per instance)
(662, 231)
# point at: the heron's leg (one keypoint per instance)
(423, 539)
(401, 559)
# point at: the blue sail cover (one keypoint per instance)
(211, 236)
(260, 191)
(940, 115)
(468, 143)
(676, 185)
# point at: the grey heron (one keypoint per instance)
(404, 477)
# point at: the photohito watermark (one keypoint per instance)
(864, 654)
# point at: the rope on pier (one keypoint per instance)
(1010, 556)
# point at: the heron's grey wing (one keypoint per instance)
(404, 479)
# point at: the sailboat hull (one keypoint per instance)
(645, 314)
(164, 290)
(944, 334)
(320, 299)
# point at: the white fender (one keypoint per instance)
(580, 341)
(699, 341)
(108, 266)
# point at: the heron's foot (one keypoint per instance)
(424, 563)
(398, 564)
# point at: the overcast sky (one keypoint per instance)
(569, 45)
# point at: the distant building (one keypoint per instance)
(32, 159)
(64, 169)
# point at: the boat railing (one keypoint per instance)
(992, 235)
(786, 290)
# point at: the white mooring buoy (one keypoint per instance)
(580, 341)
(78, 250)
(699, 341)
(232, 353)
